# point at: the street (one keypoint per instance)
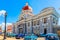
(9, 38)
(12, 38)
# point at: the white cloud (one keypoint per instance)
(2, 12)
(7, 23)
(0, 24)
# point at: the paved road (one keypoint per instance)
(8, 38)
(13, 38)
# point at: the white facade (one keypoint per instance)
(43, 22)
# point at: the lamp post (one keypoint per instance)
(5, 27)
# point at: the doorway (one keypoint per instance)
(45, 30)
(20, 30)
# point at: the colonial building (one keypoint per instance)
(44, 22)
(9, 28)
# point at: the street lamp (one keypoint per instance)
(5, 27)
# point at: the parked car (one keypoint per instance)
(30, 37)
(11, 34)
(52, 36)
(42, 35)
(19, 35)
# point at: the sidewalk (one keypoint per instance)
(12, 38)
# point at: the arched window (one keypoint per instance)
(53, 20)
(34, 23)
(28, 23)
(38, 22)
(45, 20)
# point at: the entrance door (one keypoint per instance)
(45, 30)
(20, 30)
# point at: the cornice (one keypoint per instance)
(43, 13)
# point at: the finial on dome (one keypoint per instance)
(26, 3)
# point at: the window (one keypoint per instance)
(20, 30)
(56, 21)
(38, 22)
(45, 20)
(34, 23)
(28, 23)
(21, 25)
(53, 20)
(28, 30)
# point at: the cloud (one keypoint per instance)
(7, 23)
(2, 12)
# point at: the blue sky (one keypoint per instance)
(14, 7)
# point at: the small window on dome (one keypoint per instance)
(30, 12)
(26, 10)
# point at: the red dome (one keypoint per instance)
(26, 8)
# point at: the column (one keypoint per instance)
(13, 28)
(49, 30)
(25, 27)
(16, 30)
(32, 26)
(41, 26)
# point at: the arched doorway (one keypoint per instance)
(20, 30)
(45, 30)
